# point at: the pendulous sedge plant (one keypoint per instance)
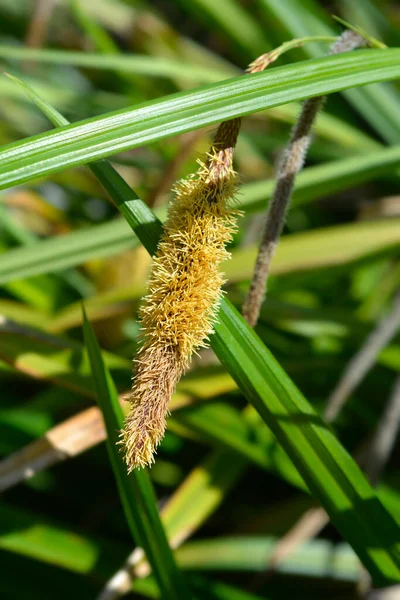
(185, 284)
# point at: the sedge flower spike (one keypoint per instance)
(184, 290)
(178, 313)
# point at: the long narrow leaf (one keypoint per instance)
(318, 248)
(135, 490)
(133, 63)
(102, 136)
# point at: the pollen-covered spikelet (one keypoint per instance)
(184, 289)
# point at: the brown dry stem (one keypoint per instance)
(292, 162)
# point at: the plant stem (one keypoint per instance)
(293, 160)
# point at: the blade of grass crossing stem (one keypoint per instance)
(96, 138)
(329, 471)
(135, 490)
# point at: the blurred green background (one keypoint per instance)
(219, 475)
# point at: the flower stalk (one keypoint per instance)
(292, 162)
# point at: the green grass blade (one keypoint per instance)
(53, 543)
(132, 63)
(328, 470)
(201, 493)
(322, 180)
(66, 251)
(101, 136)
(319, 248)
(135, 490)
(321, 558)
(328, 126)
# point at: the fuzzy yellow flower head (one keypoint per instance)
(184, 289)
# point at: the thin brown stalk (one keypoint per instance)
(168, 177)
(363, 360)
(38, 26)
(306, 527)
(390, 593)
(385, 436)
(292, 162)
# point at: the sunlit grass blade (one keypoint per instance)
(136, 493)
(140, 64)
(102, 136)
(319, 557)
(320, 248)
(65, 251)
(51, 358)
(201, 493)
(55, 544)
(328, 470)
(331, 474)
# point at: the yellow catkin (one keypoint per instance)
(184, 290)
(185, 284)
